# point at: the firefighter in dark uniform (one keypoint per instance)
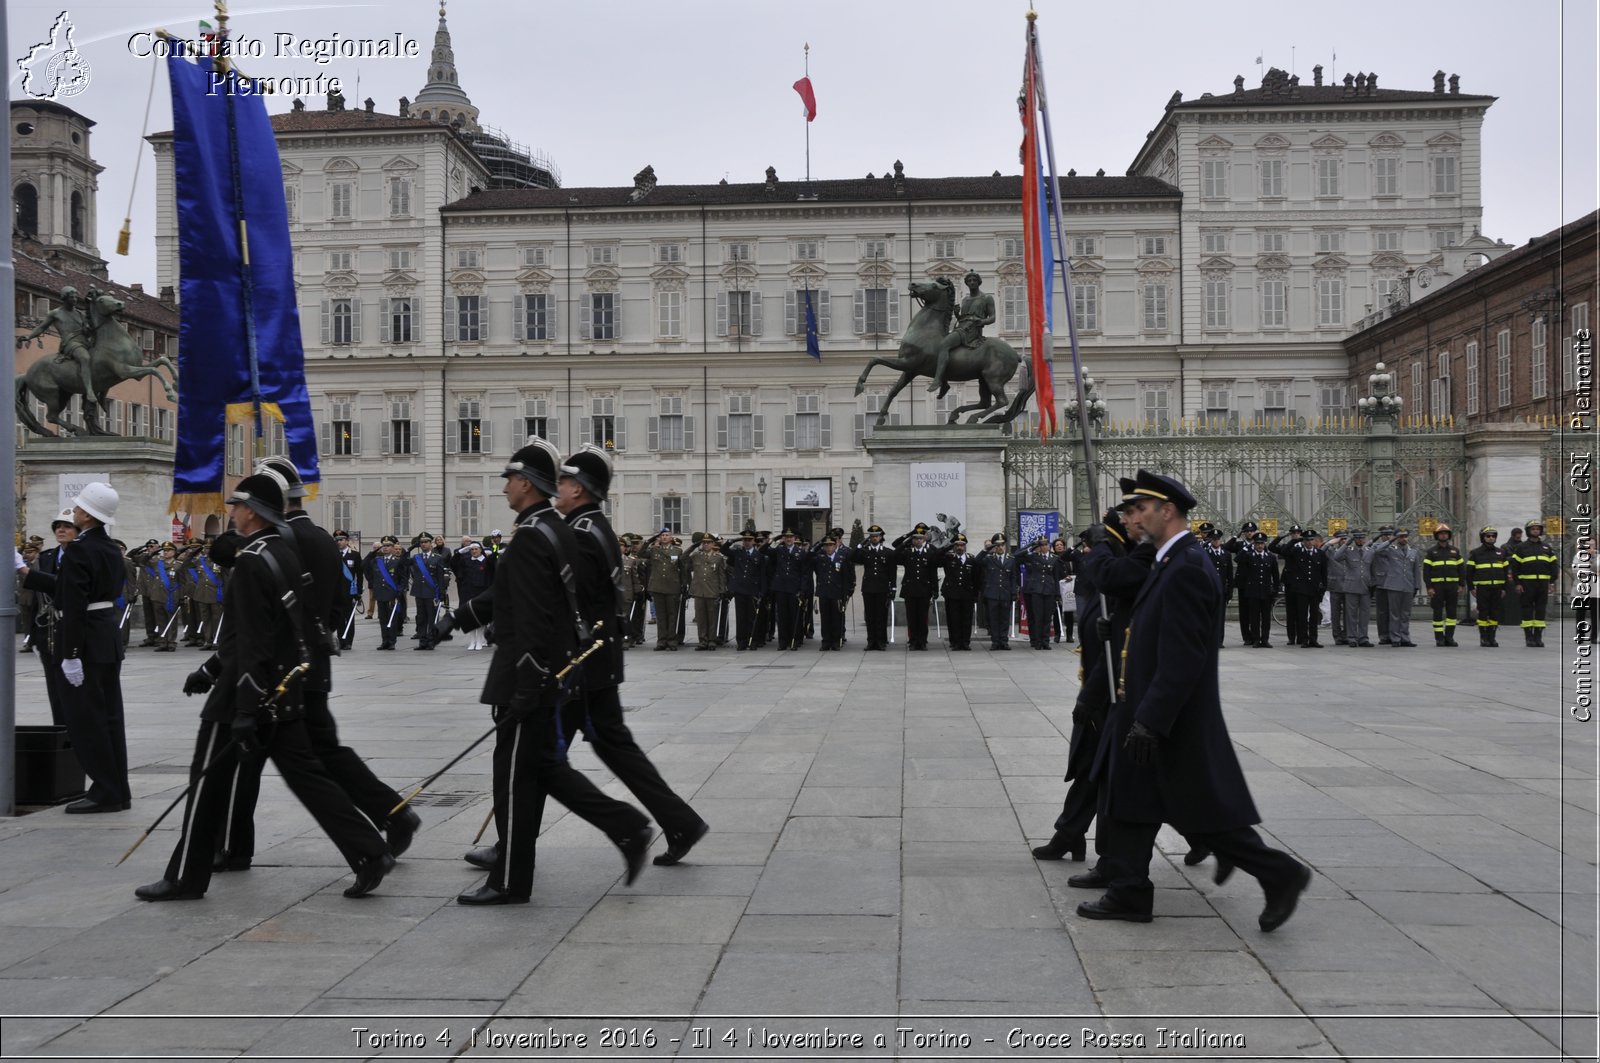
(1040, 577)
(1256, 568)
(788, 563)
(1444, 573)
(746, 566)
(386, 579)
(254, 708)
(836, 582)
(1486, 572)
(323, 576)
(877, 561)
(534, 603)
(963, 583)
(1533, 567)
(348, 592)
(999, 590)
(919, 580)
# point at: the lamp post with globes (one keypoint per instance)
(1382, 403)
(1096, 406)
(853, 485)
(1382, 408)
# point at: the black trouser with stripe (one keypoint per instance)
(1445, 599)
(1535, 596)
(1490, 596)
(212, 797)
(745, 609)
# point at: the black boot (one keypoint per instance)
(1494, 636)
(1527, 637)
(1438, 638)
(1450, 637)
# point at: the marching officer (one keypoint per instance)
(963, 583)
(999, 590)
(746, 574)
(348, 592)
(254, 708)
(836, 582)
(1445, 573)
(386, 579)
(663, 577)
(877, 561)
(536, 615)
(1486, 572)
(1533, 566)
(919, 581)
(1041, 588)
(788, 564)
(1259, 583)
(708, 581)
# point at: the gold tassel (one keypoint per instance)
(124, 236)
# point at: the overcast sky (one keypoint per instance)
(701, 89)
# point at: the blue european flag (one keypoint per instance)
(813, 346)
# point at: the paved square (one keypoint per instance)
(867, 875)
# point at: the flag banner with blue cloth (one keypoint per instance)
(813, 345)
(240, 357)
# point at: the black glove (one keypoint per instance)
(1102, 627)
(1113, 521)
(1141, 743)
(197, 682)
(1081, 714)
(244, 733)
(1095, 534)
(444, 625)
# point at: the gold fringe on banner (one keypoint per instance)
(202, 505)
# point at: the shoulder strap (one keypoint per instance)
(568, 581)
(291, 601)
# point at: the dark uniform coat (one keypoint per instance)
(835, 575)
(878, 565)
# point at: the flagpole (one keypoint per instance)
(246, 287)
(808, 120)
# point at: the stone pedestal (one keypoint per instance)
(1504, 479)
(968, 461)
(139, 469)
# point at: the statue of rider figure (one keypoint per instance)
(75, 327)
(977, 310)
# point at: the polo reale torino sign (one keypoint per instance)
(938, 497)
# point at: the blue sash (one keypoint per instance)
(383, 570)
(427, 577)
(350, 574)
(166, 581)
(211, 577)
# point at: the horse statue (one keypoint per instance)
(992, 363)
(114, 356)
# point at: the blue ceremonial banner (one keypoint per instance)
(240, 357)
(813, 346)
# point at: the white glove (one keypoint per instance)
(21, 564)
(72, 668)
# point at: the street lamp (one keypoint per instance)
(1097, 408)
(853, 484)
(761, 488)
(1381, 403)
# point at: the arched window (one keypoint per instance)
(77, 217)
(27, 199)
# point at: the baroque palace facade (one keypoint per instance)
(450, 309)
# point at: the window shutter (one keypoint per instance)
(827, 430)
(327, 324)
(861, 428)
(619, 431)
(325, 438)
(655, 514)
(824, 302)
(450, 312)
(519, 321)
(688, 432)
(861, 311)
(416, 437)
(893, 299)
(355, 438)
(586, 430)
(586, 311)
(722, 433)
(759, 422)
(383, 319)
(755, 313)
(550, 305)
(686, 509)
(722, 313)
(355, 320)
(386, 437)
(452, 436)
(788, 431)
(655, 437)
(791, 313)
(487, 436)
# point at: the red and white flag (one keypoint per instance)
(809, 97)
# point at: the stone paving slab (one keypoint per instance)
(867, 866)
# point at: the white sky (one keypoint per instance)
(701, 89)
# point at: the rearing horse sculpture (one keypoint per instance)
(116, 356)
(992, 363)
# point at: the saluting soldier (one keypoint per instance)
(1305, 577)
(1533, 566)
(708, 581)
(427, 579)
(788, 564)
(919, 582)
(1040, 576)
(877, 561)
(1211, 539)
(1444, 571)
(999, 590)
(1257, 570)
(208, 593)
(347, 594)
(162, 584)
(386, 579)
(536, 617)
(1166, 754)
(963, 583)
(836, 582)
(663, 577)
(746, 576)
(1397, 573)
(1487, 571)
(1347, 581)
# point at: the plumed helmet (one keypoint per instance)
(285, 468)
(264, 493)
(99, 501)
(591, 467)
(539, 463)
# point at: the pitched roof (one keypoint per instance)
(324, 121)
(1538, 245)
(142, 307)
(1322, 96)
(864, 190)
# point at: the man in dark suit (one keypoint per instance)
(348, 592)
(877, 561)
(836, 582)
(746, 569)
(999, 590)
(1166, 756)
(963, 580)
(919, 580)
